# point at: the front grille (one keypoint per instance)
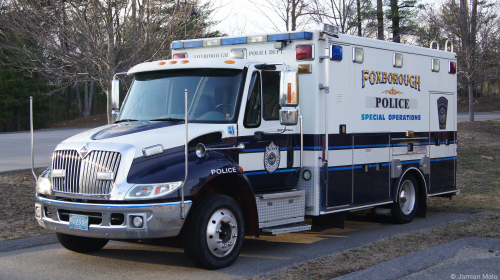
(81, 174)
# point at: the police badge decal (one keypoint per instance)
(272, 158)
(442, 104)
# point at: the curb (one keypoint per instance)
(29, 242)
(421, 260)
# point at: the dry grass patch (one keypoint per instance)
(17, 205)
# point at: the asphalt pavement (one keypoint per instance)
(15, 147)
(37, 258)
(479, 116)
(466, 258)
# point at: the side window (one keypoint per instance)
(252, 111)
(270, 94)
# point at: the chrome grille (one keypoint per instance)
(81, 174)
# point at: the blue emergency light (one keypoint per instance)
(193, 44)
(177, 45)
(336, 52)
(234, 41)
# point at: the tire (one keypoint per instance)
(81, 244)
(406, 200)
(214, 232)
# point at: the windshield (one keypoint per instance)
(159, 96)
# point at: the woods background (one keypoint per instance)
(65, 52)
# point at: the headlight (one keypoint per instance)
(43, 184)
(148, 191)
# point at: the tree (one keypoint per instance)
(292, 13)
(475, 28)
(88, 41)
(401, 14)
(351, 16)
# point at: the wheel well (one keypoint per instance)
(422, 190)
(235, 187)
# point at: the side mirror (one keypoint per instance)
(115, 94)
(289, 116)
(289, 89)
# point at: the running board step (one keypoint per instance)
(286, 229)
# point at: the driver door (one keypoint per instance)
(268, 160)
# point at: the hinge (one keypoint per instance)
(327, 89)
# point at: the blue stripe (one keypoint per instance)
(441, 159)
(265, 172)
(112, 205)
(410, 161)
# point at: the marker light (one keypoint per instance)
(212, 42)
(256, 39)
(435, 65)
(161, 63)
(397, 60)
(238, 53)
(304, 52)
(177, 45)
(234, 41)
(229, 62)
(358, 55)
(179, 55)
(278, 37)
(301, 36)
(305, 68)
(452, 69)
(153, 150)
(336, 52)
(193, 44)
(184, 61)
(329, 29)
(172, 62)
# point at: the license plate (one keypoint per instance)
(79, 222)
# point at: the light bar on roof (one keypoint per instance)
(256, 39)
(278, 37)
(234, 41)
(211, 42)
(301, 36)
(193, 44)
(177, 45)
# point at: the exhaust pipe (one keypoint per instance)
(31, 132)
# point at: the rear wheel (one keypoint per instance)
(213, 234)
(81, 244)
(406, 200)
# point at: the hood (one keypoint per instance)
(141, 135)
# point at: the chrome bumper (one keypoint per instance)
(160, 219)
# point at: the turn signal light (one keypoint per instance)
(304, 52)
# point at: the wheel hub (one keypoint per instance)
(222, 232)
(407, 197)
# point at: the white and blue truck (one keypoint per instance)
(249, 135)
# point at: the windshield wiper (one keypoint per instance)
(125, 120)
(167, 119)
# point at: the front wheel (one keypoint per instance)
(81, 244)
(214, 232)
(406, 201)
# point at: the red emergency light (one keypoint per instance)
(453, 68)
(304, 52)
(179, 55)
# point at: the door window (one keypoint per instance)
(252, 111)
(270, 94)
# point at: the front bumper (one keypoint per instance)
(112, 221)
